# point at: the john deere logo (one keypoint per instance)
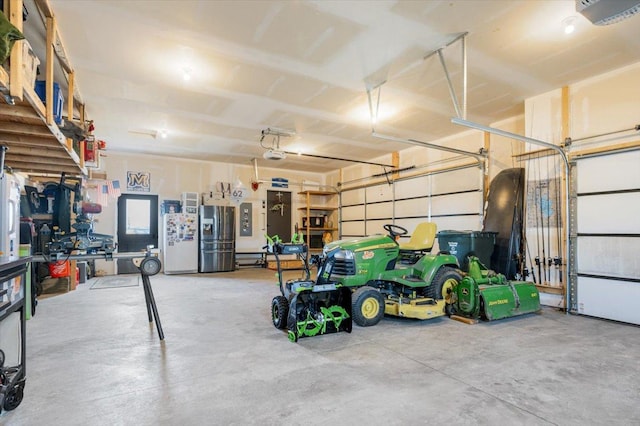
(368, 255)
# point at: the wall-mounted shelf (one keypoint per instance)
(319, 208)
(316, 235)
(36, 144)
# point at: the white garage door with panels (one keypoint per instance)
(452, 199)
(608, 236)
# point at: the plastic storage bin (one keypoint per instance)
(58, 98)
(462, 244)
(59, 269)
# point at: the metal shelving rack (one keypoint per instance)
(13, 279)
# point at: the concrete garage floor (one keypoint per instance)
(92, 359)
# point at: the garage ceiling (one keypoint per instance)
(304, 66)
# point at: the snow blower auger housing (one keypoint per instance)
(484, 294)
(382, 284)
(306, 307)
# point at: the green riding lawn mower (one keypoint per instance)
(365, 278)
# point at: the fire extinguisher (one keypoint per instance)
(90, 149)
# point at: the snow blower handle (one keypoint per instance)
(273, 243)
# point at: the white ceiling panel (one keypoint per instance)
(305, 66)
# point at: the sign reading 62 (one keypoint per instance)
(238, 194)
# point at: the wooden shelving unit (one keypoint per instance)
(319, 207)
(27, 128)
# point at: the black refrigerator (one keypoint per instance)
(217, 239)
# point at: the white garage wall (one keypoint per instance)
(170, 177)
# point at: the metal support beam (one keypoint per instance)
(464, 77)
(563, 155)
(374, 110)
(480, 157)
(461, 112)
(452, 91)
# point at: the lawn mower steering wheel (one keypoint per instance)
(395, 230)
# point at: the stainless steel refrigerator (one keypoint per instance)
(217, 239)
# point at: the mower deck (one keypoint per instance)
(420, 308)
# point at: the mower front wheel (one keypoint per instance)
(367, 306)
(280, 312)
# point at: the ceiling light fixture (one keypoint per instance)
(163, 133)
(569, 24)
(186, 73)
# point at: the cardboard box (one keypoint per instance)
(30, 64)
(285, 264)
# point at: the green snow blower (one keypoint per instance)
(306, 307)
(483, 293)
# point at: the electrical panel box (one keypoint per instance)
(190, 202)
(246, 220)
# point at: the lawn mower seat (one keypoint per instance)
(421, 242)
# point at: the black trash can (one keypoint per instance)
(462, 244)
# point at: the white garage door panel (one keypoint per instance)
(380, 211)
(608, 265)
(616, 300)
(456, 203)
(410, 225)
(458, 223)
(419, 207)
(609, 214)
(611, 256)
(352, 213)
(353, 228)
(352, 197)
(609, 173)
(460, 180)
(376, 227)
(379, 193)
(416, 187)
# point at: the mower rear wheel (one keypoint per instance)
(367, 306)
(443, 284)
(280, 312)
